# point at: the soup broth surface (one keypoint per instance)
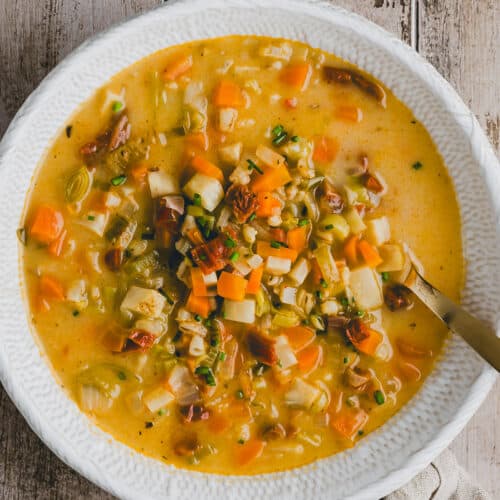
(211, 251)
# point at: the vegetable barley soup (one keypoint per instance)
(212, 247)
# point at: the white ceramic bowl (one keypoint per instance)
(384, 460)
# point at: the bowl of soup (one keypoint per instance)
(205, 229)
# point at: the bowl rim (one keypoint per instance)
(478, 390)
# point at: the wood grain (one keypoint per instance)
(460, 38)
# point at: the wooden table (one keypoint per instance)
(460, 38)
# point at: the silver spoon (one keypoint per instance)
(479, 335)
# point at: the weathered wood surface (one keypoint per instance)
(460, 38)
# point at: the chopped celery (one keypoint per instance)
(285, 318)
(262, 303)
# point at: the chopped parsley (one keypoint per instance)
(207, 373)
(234, 256)
(417, 165)
(117, 106)
(253, 166)
(303, 222)
(385, 276)
(197, 200)
(119, 180)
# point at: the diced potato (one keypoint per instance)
(277, 266)
(302, 394)
(209, 189)
(378, 231)
(242, 311)
(355, 221)
(282, 51)
(157, 399)
(330, 307)
(326, 263)
(226, 119)
(288, 295)
(95, 221)
(197, 346)
(77, 294)
(255, 261)
(151, 326)
(231, 153)
(210, 279)
(393, 258)
(285, 353)
(269, 157)
(337, 225)
(300, 271)
(366, 288)
(181, 382)
(162, 183)
(143, 301)
(111, 199)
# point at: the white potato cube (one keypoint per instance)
(151, 326)
(227, 119)
(143, 301)
(301, 394)
(111, 199)
(231, 153)
(210, 279)
(355, 221)
(366, 288)
(197, 346)
(288, 295)
(255, 261)
(209, 189)
(277, 266)
(393, 258)
(95, 221)
(330, 307)
(242, 311)
(378, 231)
(162, 183)
(300, 271)
(157, 399)
(284, 352)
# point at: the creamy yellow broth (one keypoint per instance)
(420, 205)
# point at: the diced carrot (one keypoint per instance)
(297, 75)
(267, 204)
(351, 250)
(47, 224)
(249, 451)
(55, 248)
(291, 103)
(178, 67)
(369, 254)
(198, 305)
(198, 282)
(231, 286)
(270, 179)
(299, 336)
(349, 421)
(264, 249)
(254, 280)
(228, 94)
(310, 358)
(297, 238)
(351, 114)
(194, 235)
(139, 172)
(207, 168)
(197, 140)
(325, 149)
(370, 343)
(51, 288)
(219, 423)
(316, 273)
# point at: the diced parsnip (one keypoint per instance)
(295, 151)
(330, 307)
(77, 294)
(335, 224)
(300, 271)
(210, 279)
(226, 119)
(277, 266)
(151, 326)
(241, 174)
(181, 382)
(231, 153)
(241, 311)
(288, 295)
(111, 199)
(157, 399)
(326, 263)
(355, 221)
(242, 266)
(378, 231)
(286, 356)
(209, 189)
(250, 234)
(393, 258)
(269, 157)
(255, 261)
(143, 301)
(301, 394)
(193, 90)
(197, 346)
(366, 288)
(162, 183)
(95, 221)
(283, 51)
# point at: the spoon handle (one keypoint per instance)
(479, 335)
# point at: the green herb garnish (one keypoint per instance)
(197, 199)
(252, 217)
(295, 138)
(118, 180)
(275, 244)
(121, 375)
(328, 227)
(323, 283)
(117, 106)
(240, 394)
(417, 165)
(207, 373)
(229, 243)
(234, 256)
(385, 276)
(303, 222)
(253, 166)
(76, 313)
(222, 356)
(346, 360)
(379, 397)
(90, 217)
(197, 317)
(162, 412)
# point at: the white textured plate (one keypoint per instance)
(386, 459)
